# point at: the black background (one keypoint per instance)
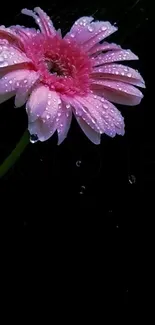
(80, 204)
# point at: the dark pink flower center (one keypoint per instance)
(62, 64)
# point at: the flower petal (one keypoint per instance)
(25, 87)
(119, 72)
(43, 130)
(101, 31)
(11, 57)
(104, 47)
(118, 92)
(88, 33)
(89, 132)
(43, 103)
(99, 114)
(105, 115)
(79, 30)
(10, 36)
(63, 122)
(42, 20)
(17, 81)
(113, 56)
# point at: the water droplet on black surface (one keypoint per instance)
(78, 163)
(82, 190)
(132, 179)
(117, 226)
(33, 138)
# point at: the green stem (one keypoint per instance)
(15, 154)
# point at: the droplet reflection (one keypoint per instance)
(33, 138)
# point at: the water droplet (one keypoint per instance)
(49, 102)
(103, 28)
(17, 84)
(105, 105)
(10, 82)
(82, 190)
(68, 106)
(117, 226)
(72, 35)
(59, 114)
(25, 81)
(132, 179)
(90, 28)
(3, 64)
(48, 116)
(33, 138)
(78, 163)
(129, 75)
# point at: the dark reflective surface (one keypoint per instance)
(79, 199)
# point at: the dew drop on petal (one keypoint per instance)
(33, 138)
(3, 64)
(90, 28)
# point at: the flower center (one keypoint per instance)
(54, 68)
(62, 65)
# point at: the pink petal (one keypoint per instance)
(24, 33)
(25, 88)
(118, 92)
(89, 132)
(16, 81)
(9, 56)
(43, 130)
(106, 115)
(10, 36)
(88, 33)
(102, 30)
(63, 122)
(113, 56)
(79, 30)
(43, 103)
(103, 47)
(42, 20)
(119, 72)
(100, 115)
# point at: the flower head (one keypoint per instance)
(57, 77)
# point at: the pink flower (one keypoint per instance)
(57, 77)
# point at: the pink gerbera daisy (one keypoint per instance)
(57, 77)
